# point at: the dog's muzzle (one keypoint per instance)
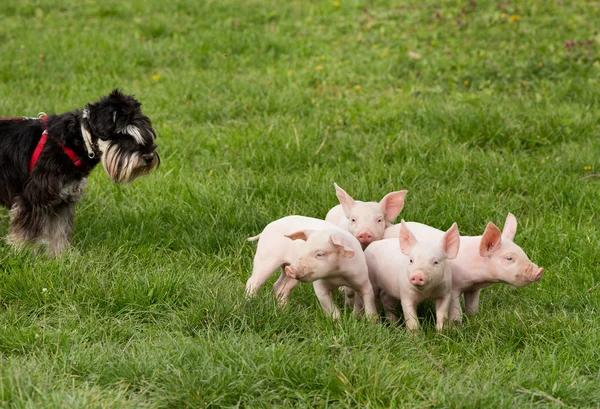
(125, 166)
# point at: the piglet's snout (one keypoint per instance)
(365, 237)
(418, 279)
(538, 274)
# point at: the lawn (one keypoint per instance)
(476, 108)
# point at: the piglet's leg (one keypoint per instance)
(441, 311)
(323, 292)
(262, 269)
(410, 314)
(455, 311)
(359, 304)
(368, 298)
(283, 287)
(472, 302)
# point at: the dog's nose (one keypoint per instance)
(148, 158)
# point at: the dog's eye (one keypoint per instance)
(115, 117)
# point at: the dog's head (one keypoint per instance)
(123, 135)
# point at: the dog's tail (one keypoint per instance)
(254, 238)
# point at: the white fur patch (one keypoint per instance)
(103, 145)
(135, 133)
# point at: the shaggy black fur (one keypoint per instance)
(42, 202)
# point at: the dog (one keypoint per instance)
(45, 163)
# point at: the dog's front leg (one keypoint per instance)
(59, 229)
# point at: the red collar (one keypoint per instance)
(40, 146)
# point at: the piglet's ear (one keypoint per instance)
(407, 239)
(392, 204)
(345, 200)
(451, 242)
(490, 241)
(299, 235)
(342, 245)
(510, 227)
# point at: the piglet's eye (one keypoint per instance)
(410, 261)
(353, 220)
(320, 255)
(509, 258)
(380, 220)
(435, 263)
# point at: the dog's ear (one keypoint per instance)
(102, 119)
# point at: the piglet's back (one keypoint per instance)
(420, 230)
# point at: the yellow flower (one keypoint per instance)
(375, 46)
(466, 83)
(503, 16)
(358, 88)
(318, 68)
(156, 77)
(587, 168)
(289, 72)
(336, 4)
(514, 17)
(540, 64)
(322, 58)
(384, 54)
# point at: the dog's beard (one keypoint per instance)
(123, 166)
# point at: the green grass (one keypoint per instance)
(148, 311)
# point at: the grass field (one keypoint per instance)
(477, 108)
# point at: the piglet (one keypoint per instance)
(311, 250)
(366, 221)
(413, 271)
(482, 261)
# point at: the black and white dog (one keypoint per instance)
(45, 162)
